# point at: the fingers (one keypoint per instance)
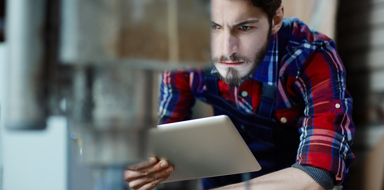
(153, 184)
(148, 174)
(151, 180)
(132, 174)
(149, 162)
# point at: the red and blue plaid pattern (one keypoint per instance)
(311, 95)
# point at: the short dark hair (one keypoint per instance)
(269, 6)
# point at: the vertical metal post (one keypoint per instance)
(173, 34)
(25, 92)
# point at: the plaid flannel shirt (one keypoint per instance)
(311, 95)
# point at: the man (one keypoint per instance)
(281, 84)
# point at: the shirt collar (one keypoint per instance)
(267, 71)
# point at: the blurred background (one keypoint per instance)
(73, 114)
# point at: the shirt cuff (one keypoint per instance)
(323, 177)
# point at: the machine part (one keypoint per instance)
(112, 109)
(112, 98)
(114, 49)
(105, 148)
(111, 51)
(169, 33)
(108, 178)
(26, 91)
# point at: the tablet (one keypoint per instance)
(201, 148)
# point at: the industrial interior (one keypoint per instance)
(79, 83)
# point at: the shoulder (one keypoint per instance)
(300, 32)
(184, 72)
(184, 78)
(302, 46)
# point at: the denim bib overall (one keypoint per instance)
(274, 147)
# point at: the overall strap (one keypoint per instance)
(267, 104)
(211, 81)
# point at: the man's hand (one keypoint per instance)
(147, 174)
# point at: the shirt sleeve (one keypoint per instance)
(176, 99)
(327, 129)
(323, 177)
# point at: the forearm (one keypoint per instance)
(289, 178)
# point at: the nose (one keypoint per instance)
(229, 44)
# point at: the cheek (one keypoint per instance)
(250, 46)
(214, 46)
(253, 42)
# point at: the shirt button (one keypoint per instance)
(283, 120)
(244, 94)
(337, 106)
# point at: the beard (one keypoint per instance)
(233, 78)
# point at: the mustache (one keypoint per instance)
(232, 58)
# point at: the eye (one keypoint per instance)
(245, 28)
(215, 27)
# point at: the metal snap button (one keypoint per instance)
(337, 106)
(283, 120)
(244, 94)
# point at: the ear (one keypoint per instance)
(277, 20)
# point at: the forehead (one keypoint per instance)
(232, 11)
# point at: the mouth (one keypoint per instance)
(231, 63)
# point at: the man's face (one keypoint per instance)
(239, 39)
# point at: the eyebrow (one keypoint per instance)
(246, 22)
(251, 21)
(214, 23)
